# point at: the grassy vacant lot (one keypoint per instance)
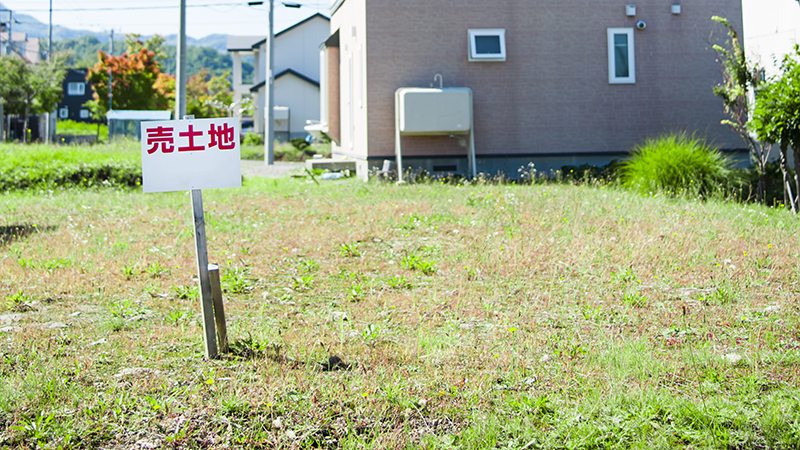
(481, 316)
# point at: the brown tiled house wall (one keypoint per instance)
(551, 95)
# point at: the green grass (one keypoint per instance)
(82, 128)
(554, 316)
(116, 164)
(42, 166)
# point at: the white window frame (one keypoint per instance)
(63, 113)
(474, 56)
(76, 88)
(612, 67)
(84, 114)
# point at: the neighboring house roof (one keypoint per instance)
(308, 80)
(119, 114)
(243, 43)
(249, 43)
(307, 19)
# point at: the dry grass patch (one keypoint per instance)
(376, 316)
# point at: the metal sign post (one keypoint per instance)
(206, 296)
(194, 155)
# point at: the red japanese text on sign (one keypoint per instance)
(222, 137)
(191, 134)
(160, 137)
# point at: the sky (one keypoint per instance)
(147, 17)
(770, 30)
(770, 26)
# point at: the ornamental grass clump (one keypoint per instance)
(677, 164)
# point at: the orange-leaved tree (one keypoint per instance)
(136, 81)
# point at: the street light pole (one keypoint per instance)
(269, 122)
(47, 116)
(180, 72)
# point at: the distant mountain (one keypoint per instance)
(33, 28)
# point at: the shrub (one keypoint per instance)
(49, 167)
(677, 164)
(253, 139)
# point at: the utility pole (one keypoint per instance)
(180, 70)
(48, 116)
(110, 86)
(269, 130)
(50, 33)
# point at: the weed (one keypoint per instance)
(417, 262)
(302, 283)
(123, 308)
(235, 281)
(635, 299)
(624, 277)
(250, 347)
(398, 282)
(176, 317)
(308, 265)
(185, 292)
(57, 263)
(356, 292)
(370, 333)
(35, 430)
(128, 271)
(156, 270)
(350, 250)
(720, 297)
(19, 302)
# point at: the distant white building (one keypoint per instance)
(770, 31)
(297, 75)
(20, 44)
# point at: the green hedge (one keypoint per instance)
(52, 167)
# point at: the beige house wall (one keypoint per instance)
(551, 96)
(351, 21)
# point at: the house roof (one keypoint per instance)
(308, 80)
(249, 43)
(307, 19)
(243, 43)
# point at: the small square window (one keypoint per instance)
(487, 44)
(621, 56)
(84, 114)
(76, 88)
(63, 113)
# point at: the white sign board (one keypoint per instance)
(180, 155)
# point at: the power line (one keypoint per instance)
(131, 8)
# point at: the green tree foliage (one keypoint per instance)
(738, 77)
(208, 96)
(154, 44)
(136, 82)
(776, 119)
(82, 52)
(28, 88)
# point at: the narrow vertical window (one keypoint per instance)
(621, 60)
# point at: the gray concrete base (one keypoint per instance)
(511, 167)
(331, 164)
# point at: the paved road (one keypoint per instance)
(277, 170)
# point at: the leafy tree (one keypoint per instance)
(31, 88)
(155, 44)
(135, 83)
(208, 96)
(776, 119)
(738, 77)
